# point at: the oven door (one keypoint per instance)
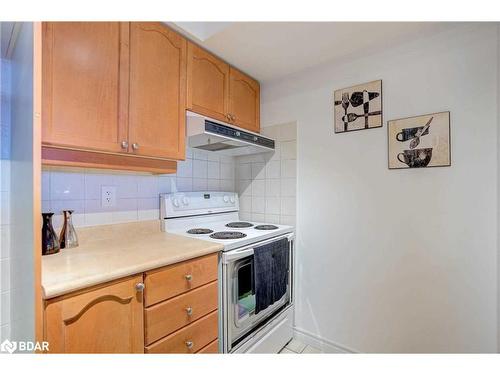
(239, 289)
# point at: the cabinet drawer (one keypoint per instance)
(212, 348)
(167, 317)
(173, 280)
(189, 339)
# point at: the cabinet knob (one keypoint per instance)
(135, 146)
(189, 277)
(124, 145)
(228, 116)
(233, 118)
(189, 311)
(189, 344)
(139, 287)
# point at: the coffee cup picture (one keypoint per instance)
(419, 142)
(418, 158)
(410, 133)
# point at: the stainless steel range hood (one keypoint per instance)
(212, 135)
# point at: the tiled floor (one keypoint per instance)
(297, 347)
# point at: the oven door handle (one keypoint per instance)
(233, 255)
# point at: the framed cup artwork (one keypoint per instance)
(420, 141)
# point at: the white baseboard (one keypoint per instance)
(326, 346)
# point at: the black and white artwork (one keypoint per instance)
(358, 107)
(420, 141)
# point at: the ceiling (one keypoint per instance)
(271, 50)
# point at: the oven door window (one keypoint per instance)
(245, 291)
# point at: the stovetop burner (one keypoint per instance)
(200, 231)
(239, 224)
(266, 227)
(227, 235)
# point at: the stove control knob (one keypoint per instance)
(176, 202)
(225, 198)
(185, 201)
(232, 199)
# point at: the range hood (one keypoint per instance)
(212, 135)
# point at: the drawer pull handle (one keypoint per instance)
(189, 311)
(189, 277)
(189, 344)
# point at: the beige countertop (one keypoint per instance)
(110, 252)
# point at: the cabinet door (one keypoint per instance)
(85, 85)
(244, 100)
(104, 320)
(157, 91)
(208, 83)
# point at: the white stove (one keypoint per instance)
(205, 215)
(214, 216)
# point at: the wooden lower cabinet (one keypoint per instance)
(179, 278)
(181, 315)
(212, 348)
(189, 339)
(106, 319)
(181, 311)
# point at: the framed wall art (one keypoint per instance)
(420, 141)
(358, 107)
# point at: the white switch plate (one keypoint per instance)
(108, 196)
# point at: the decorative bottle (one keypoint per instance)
(68, 237)
(50, 243)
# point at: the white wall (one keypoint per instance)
(4, 200)
(22, 292)
(398, 260)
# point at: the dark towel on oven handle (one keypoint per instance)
(271, 273)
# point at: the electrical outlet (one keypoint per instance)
(108, 196)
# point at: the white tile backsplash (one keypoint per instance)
(273, 169)
(213, 170)
(258, 188)
(185, 168)
(199, 184)
(266, 183)
(289, 150)
(244, 171)
(147, 187)
(258, 170)
(288, 168)
(67, 186)
(137, 194)
(200, 168)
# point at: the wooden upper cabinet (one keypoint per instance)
(84, 95)
(244, 100)
(157, 91)
(108, 319)
(208, 83)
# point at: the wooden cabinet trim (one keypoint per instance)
(86, 159)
